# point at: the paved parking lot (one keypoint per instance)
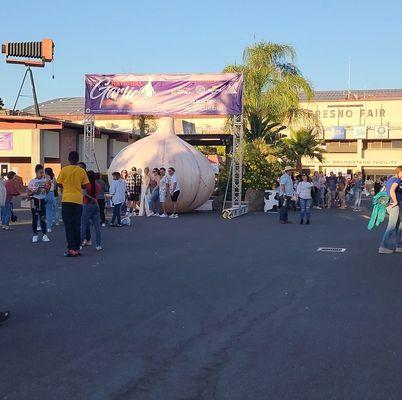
(203, 308)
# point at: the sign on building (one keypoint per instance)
(158, 94)
(6, 140)
(381, 132)
(360, 132)
(338, 132)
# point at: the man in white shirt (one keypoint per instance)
(285, 193)
(174, 190)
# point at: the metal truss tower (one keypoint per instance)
(88, 144)
(237, 208)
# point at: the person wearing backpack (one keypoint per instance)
(393, 226)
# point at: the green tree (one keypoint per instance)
(272, 86)
(301, 143)
(261, 165)
(145, 124)
(1, 103)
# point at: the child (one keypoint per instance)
(101, 197)
(37, 190)
(90, 210)
(118, 194)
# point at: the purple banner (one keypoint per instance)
(6, 141)
(198, 94)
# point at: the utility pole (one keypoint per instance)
(349, 76)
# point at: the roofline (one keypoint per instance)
(55, 123)
(366, 95)
(350, 100)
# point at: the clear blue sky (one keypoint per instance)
(203, 36)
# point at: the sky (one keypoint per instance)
(177, 36)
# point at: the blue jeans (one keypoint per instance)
(91, 212)
(6, 213)
(56, 209)
(321, 201)
(358, 197)
(49, 199)
(392, 227)
(283, 211)
(116, 213)
(305, 205)
(154, 199)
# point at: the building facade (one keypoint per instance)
(28, 140)
(362, 131)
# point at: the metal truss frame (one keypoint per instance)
(237, 208)
(88, 144)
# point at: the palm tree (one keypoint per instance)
(144, 124)
(301, 143)
(272, 86)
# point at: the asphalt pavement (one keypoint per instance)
(204, 308)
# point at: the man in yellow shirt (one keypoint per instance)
(72, 180)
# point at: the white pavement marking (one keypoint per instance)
(332, 249)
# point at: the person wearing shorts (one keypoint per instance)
(174, 190)
(163, 189)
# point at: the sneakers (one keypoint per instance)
(49, 230)
(86, 243)
(98, 248)
(45, 238)
(163, 216)
(384, 250)
(7, 228)
(398, 250)
(103, 225)
(71, 253)
(35, 239)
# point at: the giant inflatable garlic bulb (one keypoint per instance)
(164, 148)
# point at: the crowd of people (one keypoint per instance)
(82, 195)
(144, 194)
(304, 191)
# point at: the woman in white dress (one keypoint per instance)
(145, 193)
